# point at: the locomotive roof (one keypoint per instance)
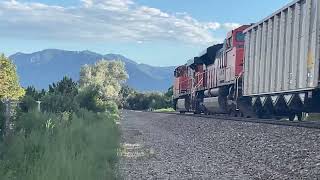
(194, 61)
(210, 56)
(207, 57)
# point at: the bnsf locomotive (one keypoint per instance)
(266, 70)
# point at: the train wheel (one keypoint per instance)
(301, 116)
(259, 114)
(234, 113)
(292, 116)
(246, 115)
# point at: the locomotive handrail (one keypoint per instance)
(199, 76)
(190, 84)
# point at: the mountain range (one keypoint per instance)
(45, 67)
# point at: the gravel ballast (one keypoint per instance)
(168, 146)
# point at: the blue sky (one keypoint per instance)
(155, 32)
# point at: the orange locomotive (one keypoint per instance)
(206, 83)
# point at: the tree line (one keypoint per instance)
(135, 100)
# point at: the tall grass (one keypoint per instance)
(313, 117)
(81, 146)
(165, 110)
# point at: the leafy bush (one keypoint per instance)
(28, 103)
(140, 101)
(158, 101)
(32, 92)
(57, 102)
(61, 97)
(106, 76)
(88, 98)
(132, 99)
(54, 146)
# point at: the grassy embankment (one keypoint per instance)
(79, 146)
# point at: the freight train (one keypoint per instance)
(266, 70)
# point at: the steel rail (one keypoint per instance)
(303, 124)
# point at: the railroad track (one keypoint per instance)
(304, 124)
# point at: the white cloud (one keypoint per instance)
(213, 26)
(102, 20)
(87, 3)
(231, 26)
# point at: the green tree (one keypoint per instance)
(61, 96)
(10, 88)
(106, 76)
(138, 101)
(158, 101)
(125, 93)
(144, 101)
(169, 93)
(67, 87)
(100, 85)
(88, 98)
(29, 101)
(35, 94)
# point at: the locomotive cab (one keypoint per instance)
(230, 58)
(181, 88)
(181, 80)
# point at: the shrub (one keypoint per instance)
(52, 146)
(28, 103)
(140, 101)
(88, 99)
(61, 97)
(57, 102)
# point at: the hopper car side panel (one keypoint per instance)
(282, 51)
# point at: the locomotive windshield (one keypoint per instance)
(240, 37)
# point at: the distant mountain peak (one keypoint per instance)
(112, 56)
(89, 52)
(18, 54)
(50, 65)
